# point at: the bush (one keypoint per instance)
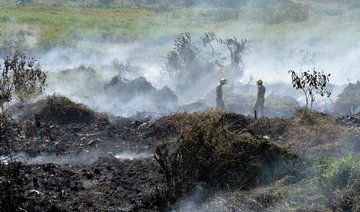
(340, 183)
(342, 173)
(20, 77)
(221, 152)
(310, 83)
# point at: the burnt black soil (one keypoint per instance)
(106, 185)
(64, 128)
(57, 126)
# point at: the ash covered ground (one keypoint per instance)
(70, 158)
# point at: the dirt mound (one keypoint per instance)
(61, 110)
(128, 89)
(141, 90)
(218, 149)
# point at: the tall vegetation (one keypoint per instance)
(190, 60)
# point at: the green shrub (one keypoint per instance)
(343, 173)
(340, 183)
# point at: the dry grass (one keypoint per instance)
(218, 149)
(59, 109)
(173, 125)
(273, 128)
(235, 153)
(318, 134)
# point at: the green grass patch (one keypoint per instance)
(343, 173)
(64, 23)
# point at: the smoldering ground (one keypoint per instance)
(84, 75)
(82, 158)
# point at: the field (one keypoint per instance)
(126, 120)
(45, 25)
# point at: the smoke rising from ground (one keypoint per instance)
(268, 63)
(84, 157)
(278, 44)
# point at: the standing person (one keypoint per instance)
(220, 106)
(259, 104)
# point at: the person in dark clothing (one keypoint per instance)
(259, 104)
(220, 106)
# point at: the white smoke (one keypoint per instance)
(329, 44)
(84, 157)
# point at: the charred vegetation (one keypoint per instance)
(219, 150)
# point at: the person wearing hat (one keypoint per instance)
(259, 104)
(220, 106)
